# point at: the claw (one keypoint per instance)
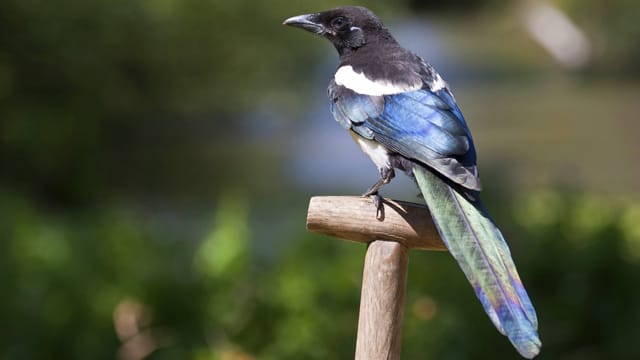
(378, 203)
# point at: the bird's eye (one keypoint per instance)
(338, 22)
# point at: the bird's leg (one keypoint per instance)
(386, 174)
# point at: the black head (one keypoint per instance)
(348, 28)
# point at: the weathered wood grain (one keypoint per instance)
(382, 301)
(390, 234)
(355, 218)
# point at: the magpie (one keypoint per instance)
(402, 114)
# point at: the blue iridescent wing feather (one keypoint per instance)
(420, 125)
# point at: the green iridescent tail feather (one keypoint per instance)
(479, 248)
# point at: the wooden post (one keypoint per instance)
(389, 235)
(382, 301)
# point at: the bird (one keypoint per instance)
(403, 115)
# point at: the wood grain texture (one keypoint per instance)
(355, 218)
(382, 301)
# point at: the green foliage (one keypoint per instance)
(104, 99)
(68, 290)
(223, 251)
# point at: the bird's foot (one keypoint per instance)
(386, 174)
(378, 203)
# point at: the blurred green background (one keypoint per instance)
(157, 156)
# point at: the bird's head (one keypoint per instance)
(348, 27)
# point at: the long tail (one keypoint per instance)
(482, 253)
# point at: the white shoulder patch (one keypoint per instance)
(358, 82)
(438, 83)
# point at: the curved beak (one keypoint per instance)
(307, 22)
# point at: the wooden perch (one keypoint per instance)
(354, 218)
(390, 234)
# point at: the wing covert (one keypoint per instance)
(420, 125)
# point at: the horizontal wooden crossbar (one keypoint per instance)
(355, 218)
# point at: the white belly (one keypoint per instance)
(378, 153)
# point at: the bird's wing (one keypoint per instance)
(421, 125)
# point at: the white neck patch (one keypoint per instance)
(358, 82)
